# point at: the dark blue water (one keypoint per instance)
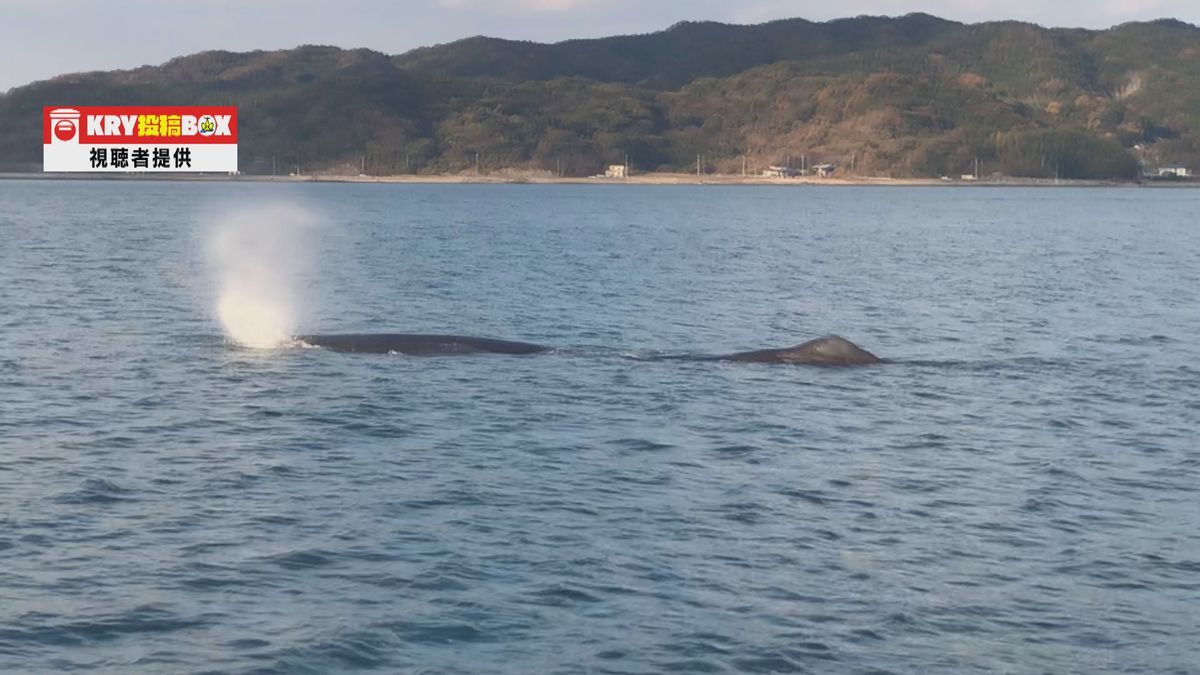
(1017, 490)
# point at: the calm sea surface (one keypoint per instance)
(1016, 490)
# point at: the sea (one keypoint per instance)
(183, 489)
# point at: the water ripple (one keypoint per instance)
(1013, 491)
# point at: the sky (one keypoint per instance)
(43, 38)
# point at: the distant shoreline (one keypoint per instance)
(504, 178)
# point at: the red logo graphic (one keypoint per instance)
(64, 130)
(65, 123)
(146, 125)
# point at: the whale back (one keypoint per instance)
(832, 350)
(418, 345)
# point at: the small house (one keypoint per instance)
(780, 172)
(1174, 172)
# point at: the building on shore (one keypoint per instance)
(617, 171)
(1174, 172)
(780, 172)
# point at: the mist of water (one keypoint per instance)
(260, 255)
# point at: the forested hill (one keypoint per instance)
(674, 57)
(907, 96)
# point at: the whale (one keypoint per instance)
(419, 345)
(831, 350)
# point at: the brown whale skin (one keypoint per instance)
(832, 350)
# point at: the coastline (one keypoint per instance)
(518, 178)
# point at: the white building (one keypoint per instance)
(779, 172)
(1174, 172)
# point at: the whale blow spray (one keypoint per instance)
(259, 255)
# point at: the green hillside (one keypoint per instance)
(907, 96)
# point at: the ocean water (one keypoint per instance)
(1016, 490)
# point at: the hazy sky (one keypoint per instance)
(42, 38)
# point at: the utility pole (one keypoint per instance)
(272, 165)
